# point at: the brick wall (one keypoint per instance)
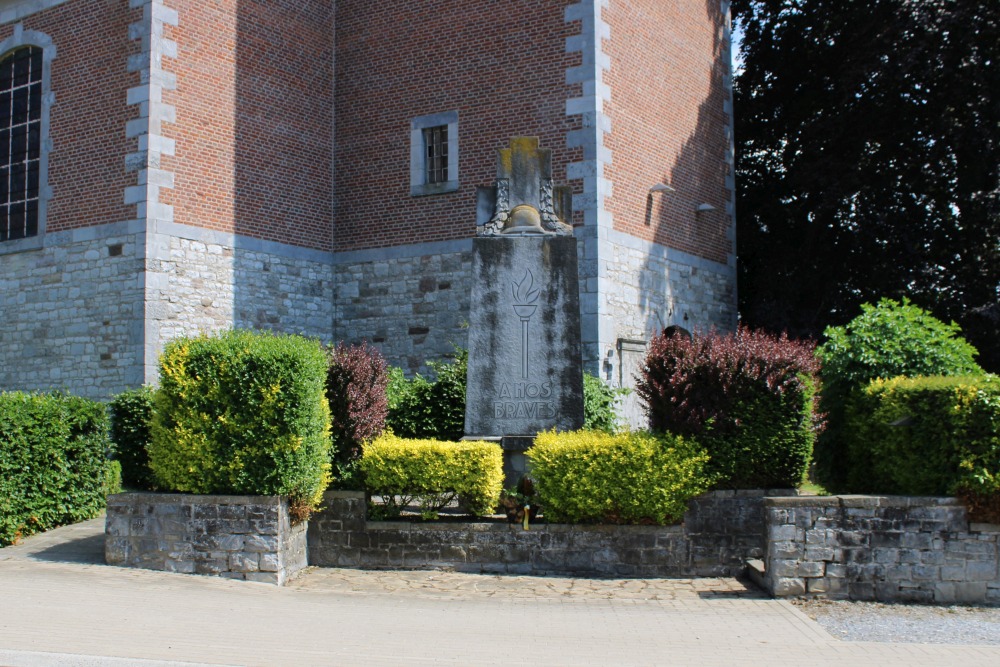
(87, 123)
(668, 123)
(501, 66)
(254, 119)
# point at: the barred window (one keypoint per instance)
(20, 142)
(434, 154)
(436, 146)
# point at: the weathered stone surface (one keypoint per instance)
(716, 549)
(893, 549)
(205, 535)
(525, 371)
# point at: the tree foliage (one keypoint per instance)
(886, 340)
(868, 161)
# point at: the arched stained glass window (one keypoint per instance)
(20, 142)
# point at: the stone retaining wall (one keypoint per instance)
(890, 549)
(236, 537)
(721, 530)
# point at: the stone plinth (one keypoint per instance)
(236, 537)
(524, 337)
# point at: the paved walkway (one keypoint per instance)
(60, 606)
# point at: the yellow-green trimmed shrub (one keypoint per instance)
(243, 413)
(54, 468)
(630, 477)
(926, 436)
(433, 473)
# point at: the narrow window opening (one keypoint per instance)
(436, 145)
(20, 142)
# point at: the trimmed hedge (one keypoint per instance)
(926, 436)
(421, 408)
(433, 473)
(131, 419)
(747, 397)
(886, 340)
(629, 477)
(54, 468)
(243, 413)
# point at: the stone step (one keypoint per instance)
(756, 573)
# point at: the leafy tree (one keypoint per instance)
(868, 161)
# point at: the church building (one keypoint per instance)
(169, 167)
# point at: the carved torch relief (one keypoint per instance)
(524, 306)
(525, 400)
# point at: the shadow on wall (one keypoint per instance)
(283, 169)
(693, 298)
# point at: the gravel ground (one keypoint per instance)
(921, 624)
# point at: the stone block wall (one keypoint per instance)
(412, 302)
(727, 527)
(71, 312)
(890, 549)
(236, 537)
(200, 281)
(720, 532)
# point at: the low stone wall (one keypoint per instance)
(890, 549)
(721, 530)
(236, 537)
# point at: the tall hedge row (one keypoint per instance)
(747, 397)
(888, 339)
(245, 413)
(926, 436)
(54, 468)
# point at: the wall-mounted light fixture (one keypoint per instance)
(662, 187)
(704, 208)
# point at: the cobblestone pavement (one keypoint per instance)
(448, 585)
(60, 606)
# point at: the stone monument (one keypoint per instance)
(525, 372)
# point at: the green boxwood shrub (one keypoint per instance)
(887, 340)
(131, 419)
(243, 413)
(432, 473)
(54, 468)
(628, 477)
(421, 408)
(747, 397)
(926, 436)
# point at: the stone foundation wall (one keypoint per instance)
(720, 532)
(69, 313)
(890, 549)
(412, 302)
(201, 281)
(236, 537)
